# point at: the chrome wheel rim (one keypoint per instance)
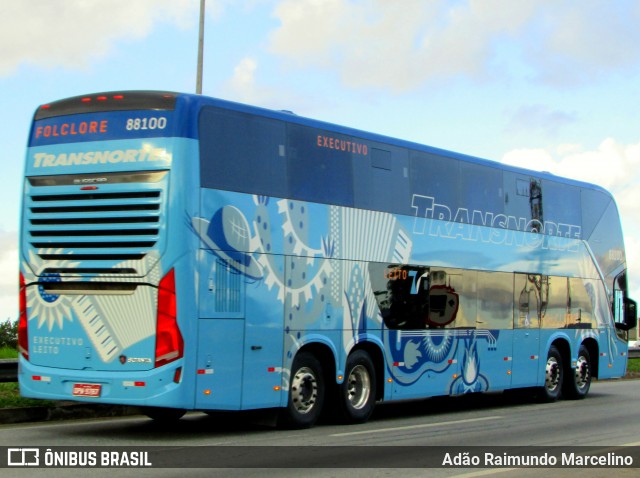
(358, 387)
(304, 390)
(582, 372)
(552, 377)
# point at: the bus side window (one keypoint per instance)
(529, 292)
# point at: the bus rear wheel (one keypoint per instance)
(579, 381)
(306, 393)
(554, 375)
(357, 394)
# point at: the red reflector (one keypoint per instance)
(271, 369)
(88, 188)
(177, 376)
(139, 384)
(37, 378)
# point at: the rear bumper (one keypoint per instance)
(155, 387)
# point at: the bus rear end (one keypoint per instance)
(99, 318)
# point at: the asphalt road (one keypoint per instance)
(393, 437)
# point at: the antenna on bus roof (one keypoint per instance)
(200, 49)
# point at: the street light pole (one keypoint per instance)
(200, 49)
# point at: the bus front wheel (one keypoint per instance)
(306, 393)
(358, 391)
(554, 375)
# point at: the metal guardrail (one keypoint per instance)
(9, 367)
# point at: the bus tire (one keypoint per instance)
(164, 414)
(357, 393)
(306, 393)
(553, 377)
(578, 381)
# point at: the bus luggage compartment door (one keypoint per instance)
(219, 365)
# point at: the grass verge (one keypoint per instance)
(10, 393)
(633, 366)
(8, 352)
(10, 397)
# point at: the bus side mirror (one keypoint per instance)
(630, 315)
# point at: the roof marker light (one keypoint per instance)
(86, 100)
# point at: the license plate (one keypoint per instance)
(86, 390)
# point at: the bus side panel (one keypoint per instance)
(613, 355)
(263, 344)
(449, 362)
(526, 358)
(219, 364)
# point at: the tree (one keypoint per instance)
(9, 334)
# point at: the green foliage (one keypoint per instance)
(10, 398)
(8, 353)
(9, 334)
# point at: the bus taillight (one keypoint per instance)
(23, 337)
(169, 342)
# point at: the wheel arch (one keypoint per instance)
(564, 347)
(326, 355)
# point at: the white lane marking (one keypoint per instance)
(412, 427)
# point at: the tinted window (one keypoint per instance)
(481, 190)
(562, 207)
(437, 177)
(445, 289)
(580, 307)
(381, 180)
(495, 300)
(402, 294)
(241, 152)
(557, 303)
(319, 165)
(527, 300)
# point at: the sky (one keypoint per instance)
(551, 85)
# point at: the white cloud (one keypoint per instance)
(539, 118)
(245, 87)
(243, 80)
(612, 165)
(575, 44)
(73, 33)
(401, 45)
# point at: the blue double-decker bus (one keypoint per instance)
(180, 252)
